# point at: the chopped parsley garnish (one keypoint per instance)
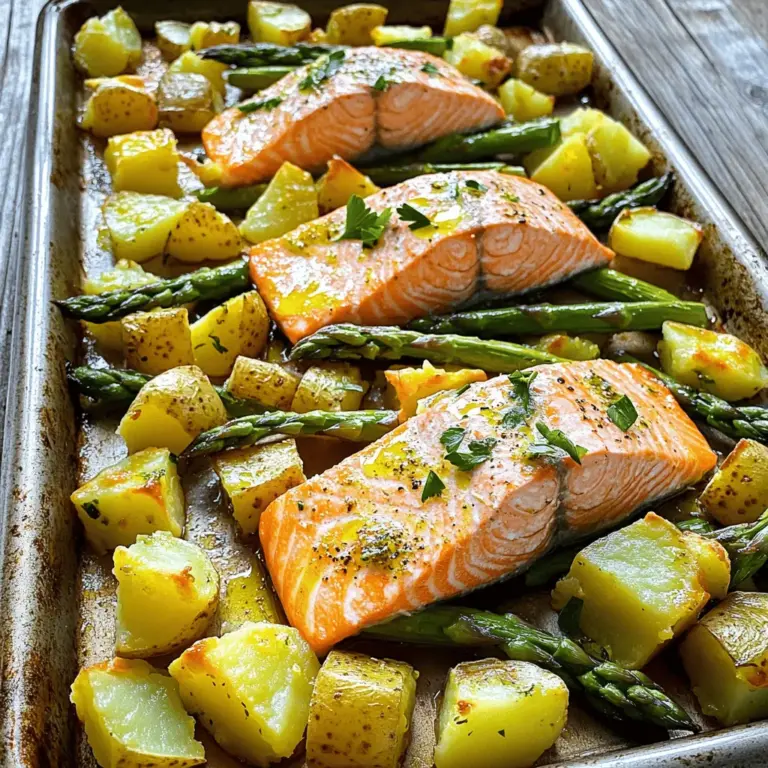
(416, 217)
(521, 383)
(91, 509)
(622, 413)
(433, 486)
(476, 187)
(510, 198)
(430, 69)
(322, 69)
(217, 345)
(364, 224)
(477, 451)
(382, 84)
(452, 437)
(461, 390)
(254, 106)
(555, 440)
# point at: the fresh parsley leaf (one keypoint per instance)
(622, 413)
(478, 451)
(217, 345)
(254, 106)
(381, 84)
(555, 438)
(521, 384)
(452, 437)
(510, 198)
(513, 417)
(461, 390)
(476, 187)
(364, 224)
(416, 217)
(430, 69)
(322, 69)
(433, 486)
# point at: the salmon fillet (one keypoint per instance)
(346, 115)
(511, 238)
(357, 545)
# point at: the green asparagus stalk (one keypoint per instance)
(116, 388)
(353, 342)
(611, 285)
(266, 54)
(257, 78)
(386, 175)
(614, 691)
(437, 46)
(231, 198)
(357, 426)
(598, 214)
(577, 318)
(204, 283)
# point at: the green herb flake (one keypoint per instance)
(91, 509)
(364, 224)
(431, 69)
(521, 386)
(416, 217)
(217, 345)
(554, 441)
(300, 505)
(433, 486)
(475, 187)
(510, 198)
(452, 437)
(622, 413)
(513, 417)
(462, 389)
(381, 84)
(255, 106)
(478, 452)
(322, 69)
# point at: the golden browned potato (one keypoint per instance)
(478, 61)
(203, 234)
(205, 34)
(270, 384)
(157, 341)
(189, 61)
(352, 24)
(339, 183)
(144, 161)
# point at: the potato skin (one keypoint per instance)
(330, 387)
(157, 341)
(118, 107)
(202, 233)
(280, 23)
(107, 46)
(187, 101)
(559, 69)
(270, 384)
(352, 24)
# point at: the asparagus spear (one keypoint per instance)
(266, 54)
(386, 175)
(599, 214)
(257, 78)
(617, 692)
(204, 283)
(615, 286)
(437, 46)
(352, 342)
(578, 318)
(116, 388)
(231, 199)
(357, 426)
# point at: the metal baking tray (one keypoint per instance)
(57, 601)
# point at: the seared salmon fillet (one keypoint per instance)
(384, 96)
(357, 545)
(490, 233)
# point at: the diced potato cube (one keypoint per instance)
(468, 15)
(715, 362)
(643, 585)
(329, 387)
(569, 347)
(476, 60)
(559, 69)
(109, 45)
(213, 70)
(171, 410)
(267, 383)
(140, 494)
(144, 161)
(139, 225)
(289, 200)
(254, 477)
(360, 712)
(566, 169)
(339, 183)
(352, 24)
(499, 714)
(119, 107)
(250, 689)
(248, 596)
(617, 156)
(279, 23)
(187, 101)
(655, 236)
(158, 340)
(133, 716)
(202, 233)
(385, 35)
(726, 657)
(167, 591)
(205, 34)
(524, 102)
(413, 384)
(172, 38)
(738, 491)
(581, 120)
(239, 326)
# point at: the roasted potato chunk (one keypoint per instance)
(117, 107)
(558, 69)
(468, 15)
(499, 714)
(643, 585)
(248, 596)
(385, 35)
(524, 102)
(339, 183)
(144, 161)
(239, 326)
(187, 101)
(617, 156)
(157, 341)
(167, 592)
(715, 362)
(280, 23)
(171, 410)
(566, 169)
(254, 477)
(202, 233)
(140, 494)
(726, 658)
(133, 716)
(360, 712)
(139, 225)
(205, 34)
(208, 68)
(738, 491)
(569, 347)
(268, 383)
(476, 60)
(109, 45)
(250, 689)
(172, 38)
(330, 387)
(352, 24)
